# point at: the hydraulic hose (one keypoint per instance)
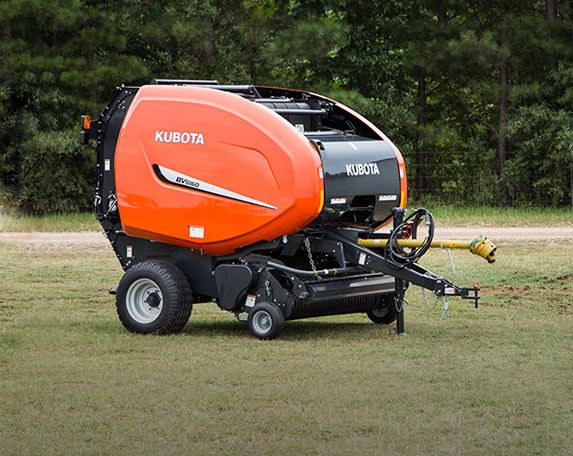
(318, 272)
(395, 254)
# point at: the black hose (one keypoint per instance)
(396, 255)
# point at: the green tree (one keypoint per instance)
(57, 61)
(466, 89)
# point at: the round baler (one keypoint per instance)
(267, 201)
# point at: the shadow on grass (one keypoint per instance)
(293, 330)
(204, 327)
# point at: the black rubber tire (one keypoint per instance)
(177, 298)
(385, 313)
(277, 321)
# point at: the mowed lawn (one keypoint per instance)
(497, 380)
(476, 216)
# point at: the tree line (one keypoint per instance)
(477, 94)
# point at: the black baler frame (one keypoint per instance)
(363, 279)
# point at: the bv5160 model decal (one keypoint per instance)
(173, 177)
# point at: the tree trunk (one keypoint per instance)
(551, 10)
(7, 35)
(441, 13)
(93, 93)
(502, 138)
(174, 52)
(210, 46)
(420, 127)
(7, 30)
(253, 70)
(91, 66)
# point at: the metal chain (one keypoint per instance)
(427, 301)
(400, 303)
(452, 262)
(445, 308)
(268, 291)
(310, 259)
(444, 299)
(456, 272)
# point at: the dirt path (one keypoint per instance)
(497, 234)
(509, 233)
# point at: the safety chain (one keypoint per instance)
(399, 303)
(427, 301)
(445, 308)
(310, 259)
(445, 303)
(452, 262)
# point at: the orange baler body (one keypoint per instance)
(216, 140)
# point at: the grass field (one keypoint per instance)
(445, 215)
(497, 380)
(499, 216)
(11, 222)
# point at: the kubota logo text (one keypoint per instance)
(361, 169)
(179, 137)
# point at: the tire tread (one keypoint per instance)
(177, 289)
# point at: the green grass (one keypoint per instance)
(11, 222)
(496, 380)
(444, 215)
(499, 216)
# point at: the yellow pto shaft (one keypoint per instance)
(480, 246)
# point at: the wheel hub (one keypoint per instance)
(144, 301)
(262, 321)
(381, 312)
(153, 300)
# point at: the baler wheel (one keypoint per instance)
(384, 314)
(266, 321)
(154, 297)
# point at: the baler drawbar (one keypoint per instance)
(270, 202)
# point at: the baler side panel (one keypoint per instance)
(236, 145)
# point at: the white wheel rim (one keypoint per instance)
(144, 301)
(262, 322)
